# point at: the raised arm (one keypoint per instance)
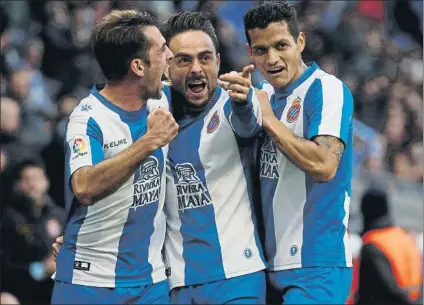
(242, 110)
(330, 116)
(93, 177)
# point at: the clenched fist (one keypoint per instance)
(56, 246)
(161, 126)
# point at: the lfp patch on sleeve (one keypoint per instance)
(80, 147)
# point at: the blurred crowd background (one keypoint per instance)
(46, 67)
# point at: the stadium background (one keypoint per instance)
(46, 67)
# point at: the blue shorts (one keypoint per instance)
(65, 293)
(244, 289)
(314, 285)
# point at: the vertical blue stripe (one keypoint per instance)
(133, 250)
(323, 213)
(167, 91)
(347, 113)
(201, 248)
(95, 135)
(269, 185)
(76, 211)
(313, 104)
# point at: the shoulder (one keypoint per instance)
(370, 251)
(327, 88)
(266, 86)
(84, 110)
(83, 117)
(330, 84)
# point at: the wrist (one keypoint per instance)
(268, 121)
(150, 142)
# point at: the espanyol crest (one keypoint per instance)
(213, 123)
(294, 110)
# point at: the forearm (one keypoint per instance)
(245, 120)
(306, 155)
(93, 183)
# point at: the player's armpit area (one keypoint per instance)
(334, 144)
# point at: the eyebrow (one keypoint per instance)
(182, 54)
(284, 40)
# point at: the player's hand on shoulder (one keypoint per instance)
(162, 126)
(56, 246)
(264, 102)
(238, 84)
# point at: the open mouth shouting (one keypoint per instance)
(196, 88)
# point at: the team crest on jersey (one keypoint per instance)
(293, 250)
(294, 110)
(146, 183)
(268, 160)
(191, 192)
(213, 123)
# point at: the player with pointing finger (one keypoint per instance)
(211, 245)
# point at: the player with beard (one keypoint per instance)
(115, 172)
(211, 241)
(211, 245)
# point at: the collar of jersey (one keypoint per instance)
(126, 116)
(187, 119)
(286, 91)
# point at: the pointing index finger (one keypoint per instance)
(246, 70)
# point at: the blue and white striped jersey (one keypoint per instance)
(305, 221)
(211, 232)
(117, 241)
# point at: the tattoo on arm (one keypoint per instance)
(333, 144)
(300, 138)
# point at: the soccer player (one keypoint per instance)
(115, 172)
(305, 163)
(211, 245)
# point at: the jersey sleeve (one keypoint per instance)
(329, 107)
(245, 119)
(84, 143)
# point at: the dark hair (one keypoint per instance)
(117, 39)
(189, 21)
(268, 12)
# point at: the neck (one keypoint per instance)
(183, 107)
(300, 71)
(377, 223)
(124, 94)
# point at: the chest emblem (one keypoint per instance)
(213, 123)
(294, 110)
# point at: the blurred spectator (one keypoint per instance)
(47, 56)
(3, 160)
(30, 223)
(53, 155)
(10, 126)
(390, 263)
(46, 65)
(7, 298)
